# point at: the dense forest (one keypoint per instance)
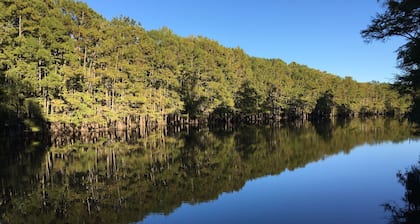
(62, 62)
(106, 181)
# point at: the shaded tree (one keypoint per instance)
(324, 106)
(401, 18)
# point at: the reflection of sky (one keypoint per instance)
(345, 188)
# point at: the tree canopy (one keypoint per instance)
(401, 18)
(78, 68)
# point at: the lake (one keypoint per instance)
(330, 172)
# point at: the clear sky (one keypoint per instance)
(323, 34)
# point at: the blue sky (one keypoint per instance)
(323, 34)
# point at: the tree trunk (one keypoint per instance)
(20, 26)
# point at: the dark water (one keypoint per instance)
(339, 172)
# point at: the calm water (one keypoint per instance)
(302, 173)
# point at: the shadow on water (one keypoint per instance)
(409, 212)
(23, 141)
(124, 179)
(415, 119)
(324, 128)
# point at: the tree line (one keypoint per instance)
(63, 62)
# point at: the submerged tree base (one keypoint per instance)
(131, 129)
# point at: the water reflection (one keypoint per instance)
(121, 177)
(409, 213)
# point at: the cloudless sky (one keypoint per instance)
(323, 34)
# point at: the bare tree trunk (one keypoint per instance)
(20, 26)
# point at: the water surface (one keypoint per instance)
(337, 172)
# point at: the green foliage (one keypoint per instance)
(81, 68)
(401, 18)
(247, 100)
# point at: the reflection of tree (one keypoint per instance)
(112, 181)
(410, 212)
(323, 129)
